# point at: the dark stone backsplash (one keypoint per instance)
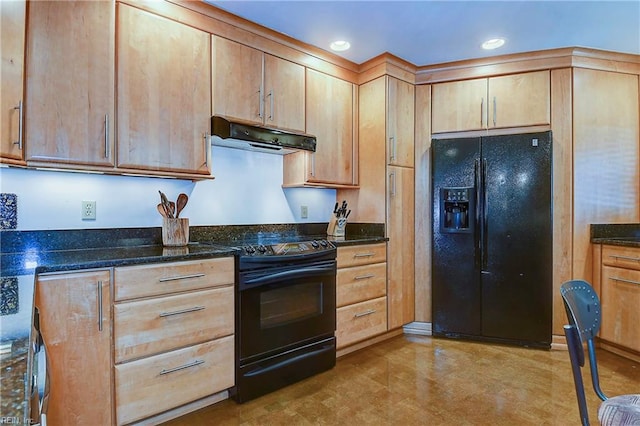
(615, 230)
(12, 241)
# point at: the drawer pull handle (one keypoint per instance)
(365, 313)
(181, 277)
(182, 311)
(622, 280)
(364, 277)
(182, 367)
(635, 259)
(363, 255)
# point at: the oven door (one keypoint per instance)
(279, 307)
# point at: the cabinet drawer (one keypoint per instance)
(360, 321)
(623, 257)
(621, 306)
(362, 254)
(162, 278)
(149, 326)
(151, 385)
(361, 283)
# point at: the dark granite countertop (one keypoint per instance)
(613, 241)
(616, 234)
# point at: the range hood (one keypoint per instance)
(254, 138)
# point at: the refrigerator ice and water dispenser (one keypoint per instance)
(456, 209)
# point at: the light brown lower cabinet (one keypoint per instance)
(620, 296)
(173, 328)
(361, 295)
(157, 383)
(141, 327)
(169, 342)
(76, 327)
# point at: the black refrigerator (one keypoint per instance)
(492, 239)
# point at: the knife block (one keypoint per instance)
(336, 227)
(175, 231)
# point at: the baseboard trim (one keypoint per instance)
(184, 409)
(558, 343)
(420, 328)
(365, 343)
(629, 354)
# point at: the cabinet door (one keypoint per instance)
(75, 324)
(12, 28)
(621, 306)
(400, 258)
(69, 102)
(149, 386)
(459, 106)
(330, 112)
(360, 321)
(400, 122)
(283, 94)
(164, 89)
(520, 100)
(237, 74)
(368, 201)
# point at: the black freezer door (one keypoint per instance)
(517, 259)
(456, 292)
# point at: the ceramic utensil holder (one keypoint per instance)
(175, 231)
(336, 226)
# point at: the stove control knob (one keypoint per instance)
(315, 244)
(250, 249)
(262, 248)
(324, 243)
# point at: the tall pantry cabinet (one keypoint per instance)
(386, 139)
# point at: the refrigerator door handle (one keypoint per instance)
(478, 204)
(485, 202)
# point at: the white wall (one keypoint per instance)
(247, 190)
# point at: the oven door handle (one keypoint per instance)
(286, 257)
(289, 274)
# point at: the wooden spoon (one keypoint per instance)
(161, 210)
(167, 206)
(181, 202)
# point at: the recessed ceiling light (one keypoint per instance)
(340, 45)
(494, 43)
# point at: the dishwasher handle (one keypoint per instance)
(40, 379)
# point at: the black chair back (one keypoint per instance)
(583, 308)
(576, 355)
(584, 313)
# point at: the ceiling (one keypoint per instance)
(426, 32)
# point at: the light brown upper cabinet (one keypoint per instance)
(12, 30)
(330, 110)
(400, 119)
(164, 89)
(69, 92)
(496, 102)
(256, 87)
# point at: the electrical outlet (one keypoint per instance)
(304, 212)
(88, 210)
